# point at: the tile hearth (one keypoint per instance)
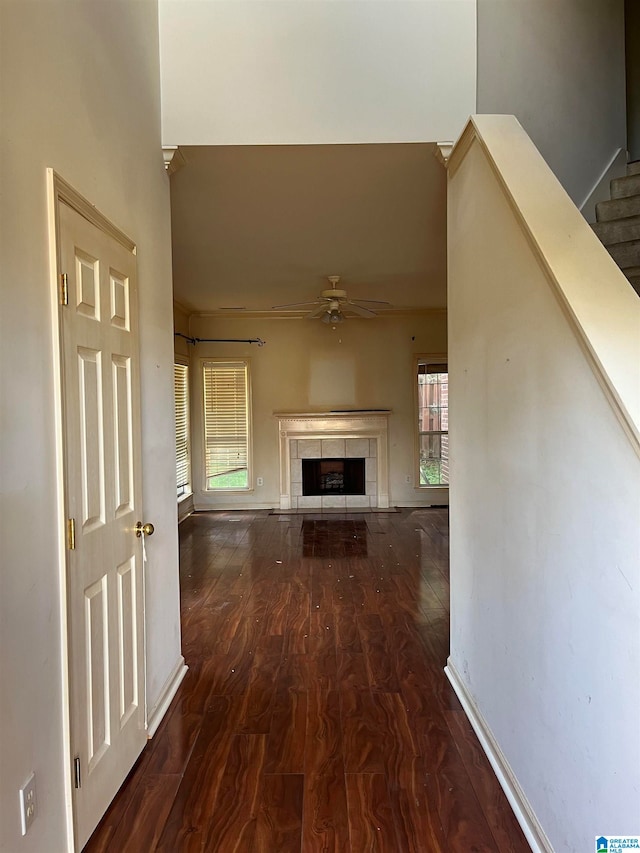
(332, 435)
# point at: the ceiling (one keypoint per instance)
(258, 226)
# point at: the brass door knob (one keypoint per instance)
(141, 528)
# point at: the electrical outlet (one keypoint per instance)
(407, 479)
(260, 481)
(28, 803)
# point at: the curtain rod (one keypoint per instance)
(195, 341)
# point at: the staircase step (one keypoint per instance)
(617, 208)
(634, 281)
(632, 272)
(625, 187)
(633, 276)
(618, 230)
(626, 254)
(633, 168)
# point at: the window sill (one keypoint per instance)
(184, 497)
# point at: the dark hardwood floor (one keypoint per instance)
(315, 715)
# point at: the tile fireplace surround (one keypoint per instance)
(334, 435)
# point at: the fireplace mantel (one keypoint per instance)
(331, 434)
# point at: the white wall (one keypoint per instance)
(545, 492)
(632, 52)
(559, 68)
(236, 72)
(80, 93)
(306, 366)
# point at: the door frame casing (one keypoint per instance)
(60, 192)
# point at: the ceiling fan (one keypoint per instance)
(333, 305)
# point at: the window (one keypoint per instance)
(226, 424)
(433, 423)
(183, 456)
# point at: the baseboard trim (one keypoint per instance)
(166, 696)
(227, 506)
(185, 507)
(523, 812)
(425, 504)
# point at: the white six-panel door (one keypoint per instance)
(105, 586)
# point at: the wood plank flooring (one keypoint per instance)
(315, 715)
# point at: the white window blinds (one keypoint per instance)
(181, 396)
(226, 424)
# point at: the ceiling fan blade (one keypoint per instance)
(373, 301)
(294, 305)
(317, 312)
(360, 310)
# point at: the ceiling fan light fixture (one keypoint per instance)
(333, 317)
(329, 305)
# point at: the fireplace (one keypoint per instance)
(333, 476)
(326, 437)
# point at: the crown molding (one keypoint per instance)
(181, 307)
(174, 159)
(443, 152)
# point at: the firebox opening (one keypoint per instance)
(333, 477)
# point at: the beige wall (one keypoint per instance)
(545, 490)
(181, 324)
(237, 72)
(181, 346)
(80, 93)
(559, 68)
(306, 366)
(632, 50)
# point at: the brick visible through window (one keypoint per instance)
(433, 423)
